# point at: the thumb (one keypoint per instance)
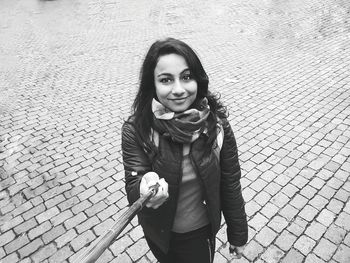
(151, 178)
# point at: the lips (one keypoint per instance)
(179, 99)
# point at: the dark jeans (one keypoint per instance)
(196, 246)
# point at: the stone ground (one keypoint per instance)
(69, 72)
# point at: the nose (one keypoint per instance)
(178, 90)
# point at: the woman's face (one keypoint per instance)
(175, 87)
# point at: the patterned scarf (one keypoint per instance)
(182, 127)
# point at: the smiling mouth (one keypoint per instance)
(178, 99)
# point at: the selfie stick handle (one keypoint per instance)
(104, 241)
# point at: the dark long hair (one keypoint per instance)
(142, 105)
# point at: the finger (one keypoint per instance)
(235, 252)
(165, 187)
(151, 177)
(143, 187)
(235, 255)
(155, 199)
(163, 191)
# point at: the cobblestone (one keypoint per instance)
(281, 68)
(293, 256)
(304, 244)
(325, 249)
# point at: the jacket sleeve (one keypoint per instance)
(232, 202)
(135, 160)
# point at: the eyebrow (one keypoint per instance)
(168, 74)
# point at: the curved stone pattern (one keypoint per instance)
(68, 74)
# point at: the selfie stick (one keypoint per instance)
(105, 240)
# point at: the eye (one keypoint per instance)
(165, 80)
(187, 77)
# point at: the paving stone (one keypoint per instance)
(312, 258)
(30, 248)
(80, 207)
(16, 244)
(122, 258)
(326, 217)
(293, 256)
(258, 221)
(343, 221)
(347, 239)
(272, 188)
(87, 193)
(335, 206)
(61, 255)
(112, 188)
(74, 221)
(289, 212)
(121, 245)
(108, 212)
(22, 208)
(308, 213)
(99, 196)
(248, 194)
(82, 240)
(136, 233)
(269, 210)
(315, 230)
(61, 217)
(105, 184)
(272, 254)
(39, 230)
(47, 215)
(335, 234)
(252, 207)
(53, 233)
(318, 202)
(258, 185)
(290, 190)
(10, 258)
(65, 238)
(6, 238)
(304, 244)
(88, 224)
(54, 201)
(342, 254)
(44, 253)
(325, 249)
(265, 236)
(138, 249)
(278, 224)
(252, 250)
(2, 253)
(299, 201)
(78, 187)
(285, 240)
(342, 195)
(9, 224)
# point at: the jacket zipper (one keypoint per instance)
(178, 183)
(202, 183)
(209, 247)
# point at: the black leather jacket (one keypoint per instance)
(218, 170)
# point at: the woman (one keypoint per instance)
(179, 137)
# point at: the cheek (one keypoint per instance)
(192, 89)
(161, 92)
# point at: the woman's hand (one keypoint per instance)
(235, 251)
(149, 179)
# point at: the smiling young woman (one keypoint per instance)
(172, 139)
(175, 87)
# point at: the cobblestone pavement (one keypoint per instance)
(69, 72)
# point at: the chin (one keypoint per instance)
(180, 108)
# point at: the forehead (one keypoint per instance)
(171, 63)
